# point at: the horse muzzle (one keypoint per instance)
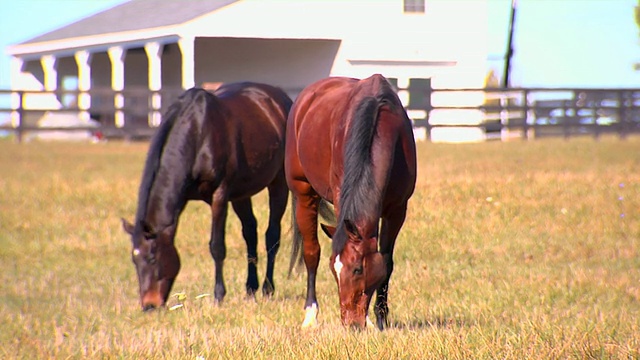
(157, 295)
(151, 300)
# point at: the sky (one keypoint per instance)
(22, 20)
(570, 43)
(557, 43)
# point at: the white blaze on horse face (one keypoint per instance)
(337, 266)
(310, 316)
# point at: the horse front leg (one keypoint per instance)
(244, 210)
(307, 221)
(389, 231)
(217, 245)
(278, 197)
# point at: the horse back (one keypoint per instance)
(314, 120)
(245, 130)
(320, 119)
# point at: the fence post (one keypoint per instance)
(428, 108)
(505, 118)
(19, 113)
(566, 122)
(622, 114)
(525, 110)
(594, 112)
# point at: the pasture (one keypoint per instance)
(510, 250)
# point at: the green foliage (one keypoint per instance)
(510, 250)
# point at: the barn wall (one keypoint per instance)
(136, 65)
(171, 66)
(100, 70)
(291, 63)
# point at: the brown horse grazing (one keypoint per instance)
(350, 142)
(218, 148)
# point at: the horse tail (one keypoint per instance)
(296, 247)
(326, 212)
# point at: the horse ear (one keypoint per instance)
(147, 231)
(328, 230)
(127, 226)
(350, 228)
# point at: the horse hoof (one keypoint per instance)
(267, 289)
(307, 325)
(382, 323)
(219, 292)
(251, 293)
(310, 317)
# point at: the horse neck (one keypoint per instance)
(170, 160)
(166, 200)
(169, 177)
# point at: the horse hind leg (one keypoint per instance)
(244, 210)
(278, 198)
(306, 218)
(217, 245)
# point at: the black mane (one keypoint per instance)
(358, 186)
(359, 192)
(154, 155)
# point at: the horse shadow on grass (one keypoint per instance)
(417, 322)
(439, 322)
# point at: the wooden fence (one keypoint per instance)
(501, 113)
(540, 112)
(131, 113)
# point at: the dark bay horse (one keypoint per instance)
(351, 143)
(218, 148)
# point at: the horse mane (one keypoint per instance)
(154, 154)
(359, 191)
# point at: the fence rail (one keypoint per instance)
(501, 113)
(130, 113)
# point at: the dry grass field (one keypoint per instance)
(518, 250)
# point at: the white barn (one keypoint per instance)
(288, 43)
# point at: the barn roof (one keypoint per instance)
(134, 15)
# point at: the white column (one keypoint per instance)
(116, 55)
(16, 100)
(83, 58)
(48, 63)
(16, 73)
(154, 55)
(187, 45)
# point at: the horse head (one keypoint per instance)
(156, 261)
(358, 268)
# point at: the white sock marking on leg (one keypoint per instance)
(310, 316)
